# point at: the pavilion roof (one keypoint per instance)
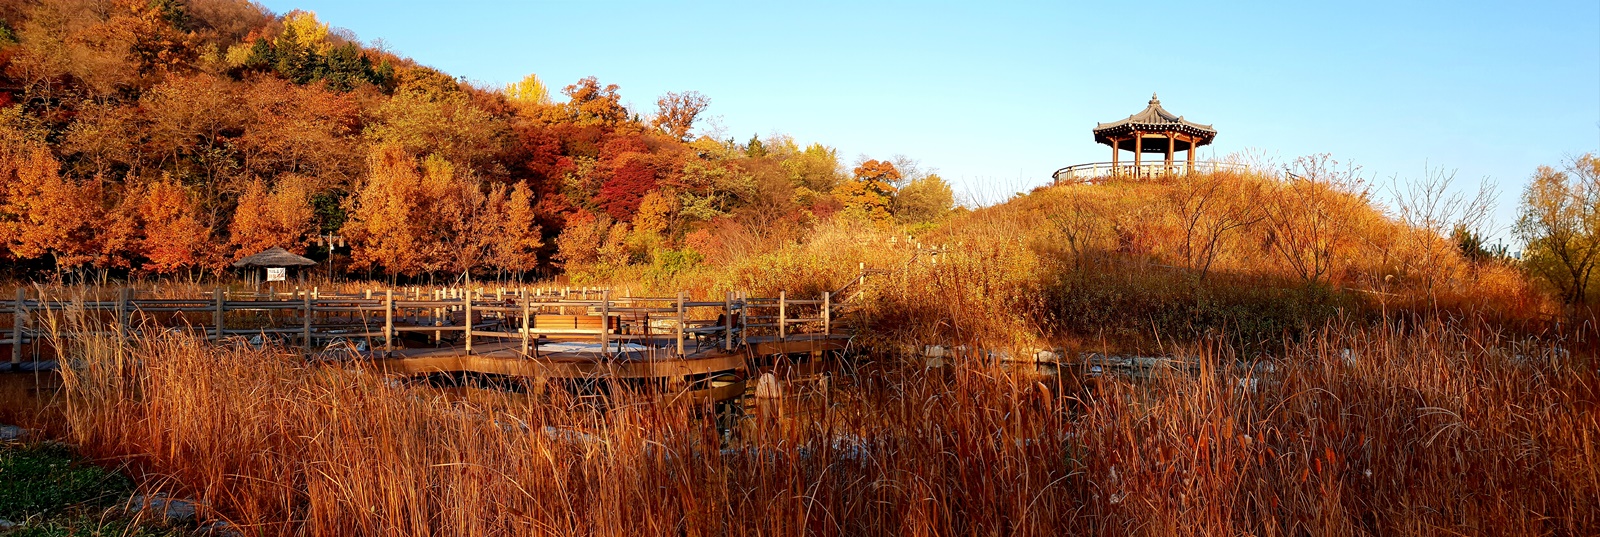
(274, 257)
(1153, 118)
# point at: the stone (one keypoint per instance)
(160, 505)
(12, 432)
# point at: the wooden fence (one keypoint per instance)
(464, 316)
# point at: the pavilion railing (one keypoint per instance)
(1097, 171)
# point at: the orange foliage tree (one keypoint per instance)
(413, 217)
(174, 239)
(43, 213)
(281, 216)
(871, 190)
(514, 236)
(676, 112)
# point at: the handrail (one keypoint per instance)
(1093, 172)
(346, 316)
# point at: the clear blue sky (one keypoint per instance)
(996, 96)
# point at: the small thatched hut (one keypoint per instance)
(271, 258)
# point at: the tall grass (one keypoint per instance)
(1425, 428)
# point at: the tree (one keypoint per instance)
(304, 130)
(1310, 216)
(174, 238)
(529, 91)
(676, 112)
(515, 239)
(280, 216)
(1208, 207)
(43, 213)
(415, 217)
(871, 191)
(1560, 226)
(1432, 212)
(591, 104)
(924, 200)
(430, 115)
(631, 179)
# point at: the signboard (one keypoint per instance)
(276, 274)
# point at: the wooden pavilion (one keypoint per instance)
(274, 257)
(1153, 130)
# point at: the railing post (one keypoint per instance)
(827, 314)
(526, 330)
(783, 303)
(19, 316)
(122, 314)
(466, 305)
(680, 323)
(605, 321)
(727, 322)
(388, 320)
(305, 323)
(217, 314)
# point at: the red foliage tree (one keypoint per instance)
(631, 179)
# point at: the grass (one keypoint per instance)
(48, 490)
(1418, 428)
(1357, 402)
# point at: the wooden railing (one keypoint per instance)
(381, 317)
(1096, 171)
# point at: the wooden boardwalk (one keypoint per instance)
(520, 333)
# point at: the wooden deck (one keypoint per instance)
(522, 333)
(577, 360)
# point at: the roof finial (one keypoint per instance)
(1153, 99)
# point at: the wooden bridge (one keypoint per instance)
(523, 332)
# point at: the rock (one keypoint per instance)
(8, 525)
(220, 528)
(12, 432)
(160, 505)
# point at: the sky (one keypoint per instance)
(996, 96)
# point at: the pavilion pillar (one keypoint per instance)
(1192, 146)
(1138, 152)
(1116, 157)
(1171, 142)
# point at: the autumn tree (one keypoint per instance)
(1560, 225)
(529, 91)
(514, 238)
(1310, 216)
(280, 216)
(430, 115)
(174, 238)
(1432, 211)
(1208, 208)
(871, 191)
(631, 179)
(43, 213)
(304, 130)
(591, 104)
(676, 112)
(924, 200)
(412, 217)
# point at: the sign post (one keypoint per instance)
(277, 274)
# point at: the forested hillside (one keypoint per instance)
(149, 137)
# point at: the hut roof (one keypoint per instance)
(274, 257)
(1153, 118)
